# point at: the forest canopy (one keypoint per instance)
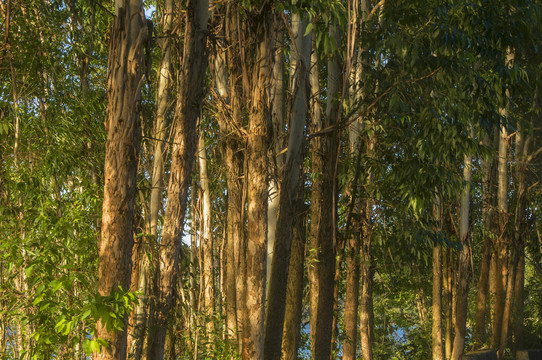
(257, 179)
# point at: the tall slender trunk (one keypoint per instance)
(144, 282)
(191, 82)
(257, 174)
(322, 244)
(448, 303)
(463, 265)
(207, 241)
(230, 122)
(290, 187)
(501, 243)
(122, 151)
(294, 292)
(488, 205)
(436, 330)
(276, 158)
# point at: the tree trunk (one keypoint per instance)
(322, 236)
(276, 158)
(206, 241)
(128, 35)
(448, 303)
(463, 265)
(144, 282)
(291, 181)
(366, 322)
(230, 122)
(488, 205)
(191, 82)
(436, 330)
(257, 171)
(294, 292)
(501, 243)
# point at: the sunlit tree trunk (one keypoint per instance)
(257, 174)
(206, 240)
(462, 281)
(501, 243)
(322, 245)
(122, 151)
(276, 157)
(447, 303)
(488, 205)
(147, 251)
(191, 82)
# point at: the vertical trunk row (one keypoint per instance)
(191, 81)
(488, 206)
(462, 281)
(144, 282)
(121, 159)
(290, 186)
(322, 244)
(257, 196)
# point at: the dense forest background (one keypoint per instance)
(265, 179)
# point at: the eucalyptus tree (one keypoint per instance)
(291, 178)
(188, 107)
(122, 150)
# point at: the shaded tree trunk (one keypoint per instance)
(463, 265)
(191, 82)
(122, 151)
(294, 293)
(488, 206)
(291, 181)
(144, 281)
(322, 245)
(436, 329)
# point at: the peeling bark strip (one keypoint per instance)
(191, 81)
(122, 151)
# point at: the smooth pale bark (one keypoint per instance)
(144, 281)
(294, 291)
(322, 244)
(460, 321)
(501, 243)
(488, 206)
(290, 186)
(257, 175)
(206, 240)
(276, 157)
(436, 326)
(123, 127)
(190, 95)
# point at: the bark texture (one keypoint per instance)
(257, 173)
(294, 292)
(191, 81)
(460, 325)
(144, 281)
(289, 190)
(121, 159)
(322, 243)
